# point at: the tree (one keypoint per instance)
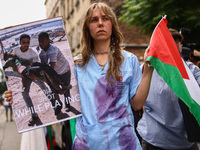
(147, 13)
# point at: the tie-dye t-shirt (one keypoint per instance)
(107, 122)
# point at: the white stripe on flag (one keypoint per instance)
(192, 85)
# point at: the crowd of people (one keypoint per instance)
(111, 83)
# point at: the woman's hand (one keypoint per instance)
(146, 52)
(8, 96)
(148, 67)
(139, 99)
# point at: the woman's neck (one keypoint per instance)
(101, 53)
(101, 47)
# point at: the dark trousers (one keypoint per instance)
(148, 146)
(27, 97)
(66, 77)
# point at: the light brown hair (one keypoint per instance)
(115, 58)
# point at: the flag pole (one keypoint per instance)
(165, 16)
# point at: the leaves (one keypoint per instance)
(3, 86)
(147, 13)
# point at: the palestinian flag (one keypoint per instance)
(164, 56)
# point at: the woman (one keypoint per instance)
(109, 80)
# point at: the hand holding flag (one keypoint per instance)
(164, 56)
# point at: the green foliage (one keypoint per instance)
(147, 13)
(3, 86)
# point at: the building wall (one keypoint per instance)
(53, 8)
(72, 12)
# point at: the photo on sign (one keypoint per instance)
(39, 69)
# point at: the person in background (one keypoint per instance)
(33, 140)
(196, 58)
(8, 107)
(196, 53)
(110, 82)
(161, 126)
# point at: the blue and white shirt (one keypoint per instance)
(53, 54)
(162, 122)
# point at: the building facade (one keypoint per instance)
(72, 12)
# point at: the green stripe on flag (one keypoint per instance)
(173, 78)
(73, 128)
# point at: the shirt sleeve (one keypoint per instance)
(53, 54)
(195, 71)
(35, 56)
(135, 77)
(76, 66)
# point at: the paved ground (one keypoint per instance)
(9, 137)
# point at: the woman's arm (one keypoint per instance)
(139, 98)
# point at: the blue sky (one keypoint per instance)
(16, 12)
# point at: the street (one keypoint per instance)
(9, 137)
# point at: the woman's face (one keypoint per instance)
(100, 26)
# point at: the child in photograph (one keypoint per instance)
(17, 65)
(25, 52)
(48, 75)
(35, 71)
(52, 56)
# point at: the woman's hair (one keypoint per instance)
(115, 58)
